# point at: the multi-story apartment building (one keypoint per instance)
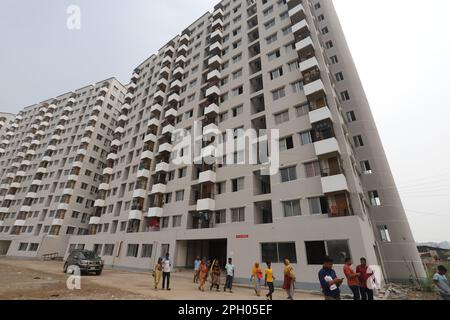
(280, 68)
(51, 165)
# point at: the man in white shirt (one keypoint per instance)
(167, 268)
(441, 283)
(230, 275)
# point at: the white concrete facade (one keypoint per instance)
(243, 66)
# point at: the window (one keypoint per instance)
(293, 66)
(351, 116)
(297, 86)
(345, 96)
(278, 94)
(221, 217)
(291, 208)
(33, 247)
(374, 198)
(316, 251)
(288, 174)
(237, 184)
(182, 173)
(312, 169)
(384, 233)
(339, 76)
(366, 168)
(238, 91)
(132, 250)
(282, 117)
(180, 195)
(274, 55)
(108, 250)
(272, 38)
(305, 138)
(318, 205)
(23, 246)
(278, 252)
(238, 215)
(358, 141)
(176, 221)
(146, 251)
(274, 74)
(221, 187)
(302, 110)
(286, 144)
(334, 59)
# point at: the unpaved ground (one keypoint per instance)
(32, 279)
(18, 283)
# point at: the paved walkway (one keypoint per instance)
(142, 284)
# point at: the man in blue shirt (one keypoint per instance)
(197, 268)
(329, 282)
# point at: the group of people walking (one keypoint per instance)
(360, 280)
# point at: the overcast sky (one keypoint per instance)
(401, 49)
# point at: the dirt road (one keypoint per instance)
(31, 279)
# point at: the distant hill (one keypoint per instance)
(442, 245)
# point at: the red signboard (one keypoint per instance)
(242, 236)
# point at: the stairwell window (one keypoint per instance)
(345, 96)
(384, 234)
(288, 174)
(374, 198)
(286, 143)
(358, 141)
(366, 168)
(274, 74)
(351, 117)
(305, 138)
(297, 86)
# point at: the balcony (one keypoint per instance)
(185, 38)
(4, 209)
(214, 90)
(103, 186)
(147, 155)
(212, 109)
(155, 108)
(314, 87)
(180, 59)
(94, 220)
(209, 151)
(129, 96)
(162, 83)
(176, 85)
(159, 96)
(120, 130)
(215, 46)
(68, 191)
(26, 163)
(57, 222)
(112, 156)
(182, 49)
(155, 212)
(211, 128)
(304, 45)
(335, 183)
(169, 50)
(320, 115)
(300, 27)
(86, 140)
(72, 177)
(217, 14)
(171, 113)
(41, 170)
(166, 147)
(19, 223)
(207, 176)
(217, 23)
(21, 173)
(311, 63)
(71, 100)
(15, 185)
(174, 98)
(150, 137)
(108, 171)
(81, 152)
(178, 72)
(214, 75)
(216, 35)
(116, 143)
(100, 203)
(36, 182)
(31, 195)
(206, 205)
(25, 209)
(327, 146)
(135, 215)
(10, 197)
(297, 13)
(168, 129)
(139, 193)
(93, 119)
(215, 61)
(143, 173)
(159, 188)
(164, 71)
(162, 166)
(135, 76)
(125, 107)
(63, 206)
(123, 118)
